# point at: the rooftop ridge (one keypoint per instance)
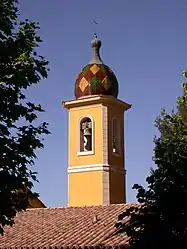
(78, 207)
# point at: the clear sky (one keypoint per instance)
(144, 43)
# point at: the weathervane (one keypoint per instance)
(95, 34)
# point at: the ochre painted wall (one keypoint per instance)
(117, 187)
(85, 184)
(85, 188)
(75, 114)
(88, 183)
(114, 112)
(116, 178)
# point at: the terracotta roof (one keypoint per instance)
(66, 227)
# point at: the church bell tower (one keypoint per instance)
(96, 170)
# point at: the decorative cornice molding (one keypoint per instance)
(94, 100)
(95, 167)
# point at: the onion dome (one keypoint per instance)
(96, 78)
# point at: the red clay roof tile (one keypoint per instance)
(65, 227)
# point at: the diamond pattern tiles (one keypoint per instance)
(94, 69)
(83, 84)
(96, 79)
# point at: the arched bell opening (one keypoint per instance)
(86, 134)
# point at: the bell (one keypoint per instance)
(87, 132)
(90, 125)
(84, 125)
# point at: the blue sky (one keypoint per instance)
(144, 43)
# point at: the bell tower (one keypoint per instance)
(96, 171)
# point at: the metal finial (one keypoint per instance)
(95, 34)
(96, 44)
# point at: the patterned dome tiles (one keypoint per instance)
(96, 79)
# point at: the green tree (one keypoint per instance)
(20, 67)
(160, 218)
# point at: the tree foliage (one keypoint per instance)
(20, 67)
(160, 219)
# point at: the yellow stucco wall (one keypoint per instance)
(75, 114)
(85, 188)
(117, 187)
(113, 112)
(116, 179)
(88, 188)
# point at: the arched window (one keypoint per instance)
(86, 135)
(116, 148)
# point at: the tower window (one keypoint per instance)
(116, 136)
(86, 135)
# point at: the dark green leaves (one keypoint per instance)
(161, 218)
(20, 67)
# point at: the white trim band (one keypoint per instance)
(95, 167)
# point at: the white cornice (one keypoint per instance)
(97, 99)
(95, 167)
